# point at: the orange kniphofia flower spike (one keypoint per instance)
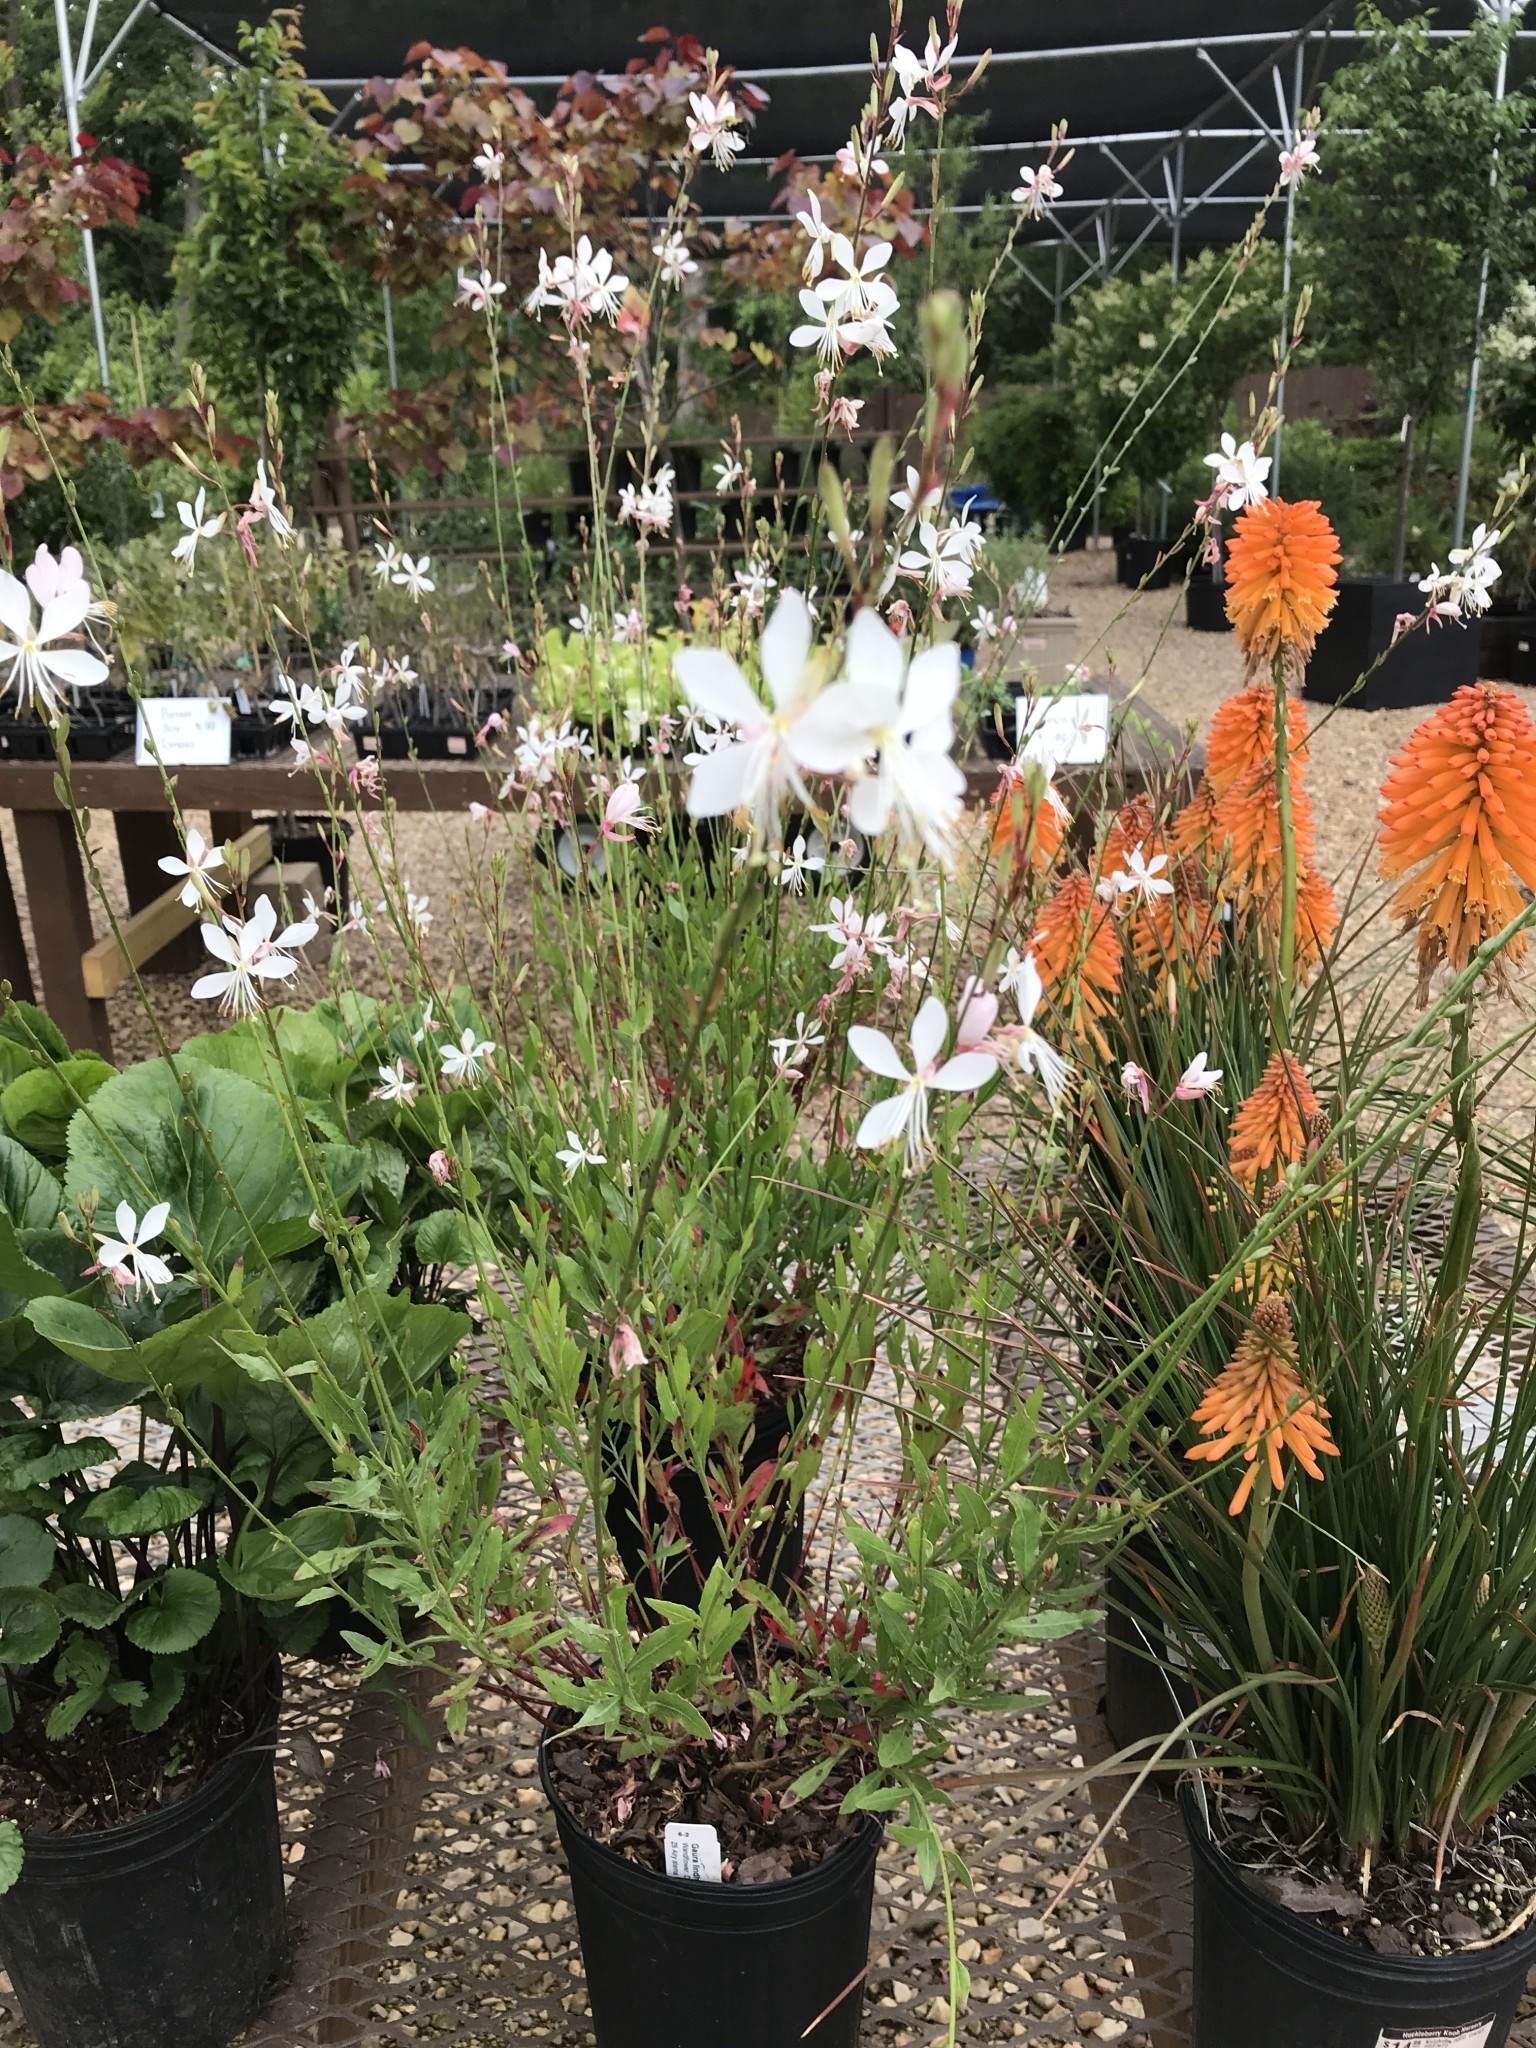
(1261, 1403)
(1281, 577)
(1076, 946)
(1135, 825)
(1242, 736)
(1249, 818)
(1458, 818)
(1271, 1127)
(1317, 917)
(1181, 930)
(1195, 831)
(1018, 819)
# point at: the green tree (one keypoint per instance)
(1151, 364)
(277, 258)
(1396, 230)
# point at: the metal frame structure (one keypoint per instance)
(1154, 193)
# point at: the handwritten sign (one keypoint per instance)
(183, 732)
(1068, 732)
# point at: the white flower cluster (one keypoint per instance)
(650, 505)
(1465, 591)
(851, 311)
(39, 665)
(582, 287)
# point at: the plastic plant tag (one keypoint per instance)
(1071, 731)
(693, 1851)
(182, 732)
(1474, 2035)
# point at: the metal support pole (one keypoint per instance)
(389, 340)
(1058, 297)
(72, 121)
(1178, 210)
(1285, 282)
(1507, 9)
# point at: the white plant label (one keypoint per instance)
(1070, 731)
(1473, 2036)
(693, 1851)
(186, 732)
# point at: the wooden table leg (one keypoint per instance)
(142, 838)
(61, 925)
(227, 825)
(14, 965)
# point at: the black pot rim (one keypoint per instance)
(1326, 1948)
(826, 1874)
(54, 1852)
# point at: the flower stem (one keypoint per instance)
(1288, 862)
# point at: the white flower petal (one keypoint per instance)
(786, 647)
(875, 1051)
(967, 1070)
(884, 1122)
(712, 682)
(930, 1028)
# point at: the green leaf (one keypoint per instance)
(442, 1239)
(141, 1142)
(29, 1193)
(11, 1853)
(167, 1683)
(26, 1551)
(178, 1610)
(24, 1024)
(85, 1667)
(38, 1106)
(263, 1564)
(871, 1796)
(29, 1625)
(177, 1360)
(125, 1511)
(22, 1278)
(89, 1604)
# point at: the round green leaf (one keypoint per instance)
(124, 1511)
(177, 1611)
(29, 1625)
(26, 1551)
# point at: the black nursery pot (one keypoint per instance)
(1146, 564)
(1143, 1699)
(426, 741)
(1509, 645)
(1205, 605)
(160, 1933)
(1265, 1978)
(672, 1963)
(1426, 666)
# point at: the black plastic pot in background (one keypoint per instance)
(160, 1933)
(1205, 604)
(778, 1546)
(1265, 1977)
(1508, 651)
(673, 1963)
(296, 838)
(1145, 564)
(1144, 1699)
(1425, 666)
(426, 741)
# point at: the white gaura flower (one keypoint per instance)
(941, 559)
(860, 160)
(574, 1154)
(1242, 475)
(824, 329)
(412, 575)
(253, 951)
(200, 864)
(674, 262)
(853, 294)
(795, 865)
(790, 1051)
(1034, 1055)
(1036, 189)
(464, 1063)
(490, 162)
(265, 505)
(198, 527)
(650, 505)
(478, 292)
(624, 814)
(753, 583)
(905, 1114)
(389, 560)
(728, 474)
(809, 217)
(773, 744)
(712, 128)
(39, 669)
(49, 576)
(125, 1254)
(397, 1083)
(1140, 877)
(906, 714)
(1198, 1078)
(858, 937)
(914, 498)
(1300, 158)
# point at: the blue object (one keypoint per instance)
(977, 498)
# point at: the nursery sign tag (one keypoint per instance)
(1473, 2036)
(694, 1851)
(1072, 731)
(186, 732)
